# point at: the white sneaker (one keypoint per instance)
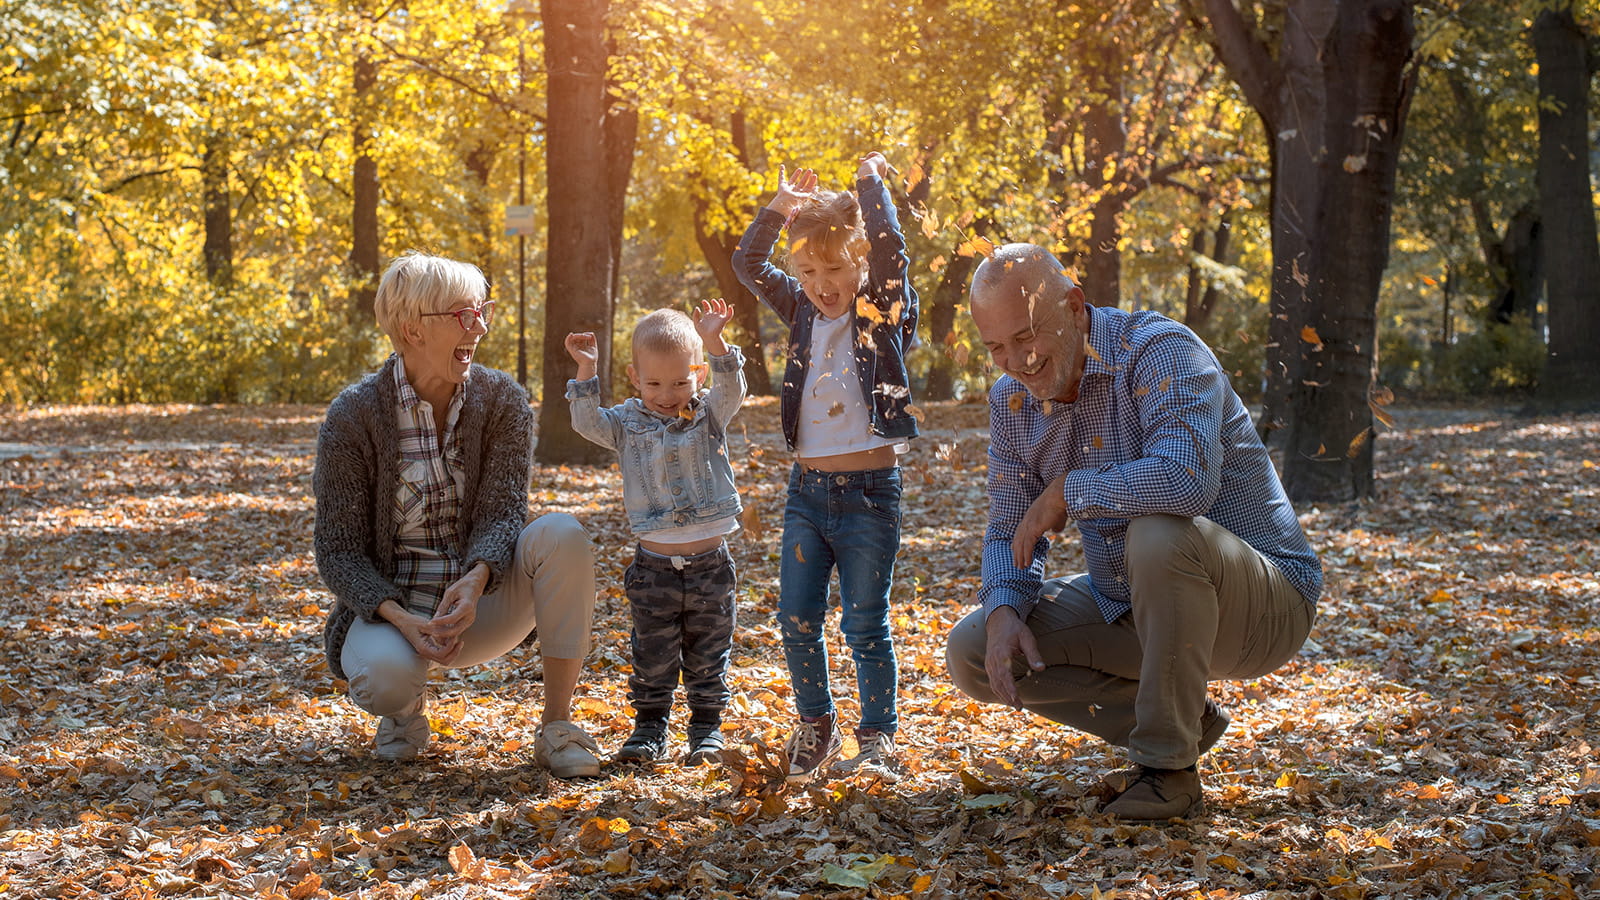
(400, 739)
(875, 755)
(566, 750)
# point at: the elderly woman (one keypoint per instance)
(422, 494)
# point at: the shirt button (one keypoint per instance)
(677, 490)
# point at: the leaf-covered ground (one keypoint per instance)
(168, 727)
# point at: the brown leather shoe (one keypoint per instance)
(1157, 795)
(1213, 722)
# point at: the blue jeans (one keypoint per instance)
(848, 520)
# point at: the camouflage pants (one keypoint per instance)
(683, 615)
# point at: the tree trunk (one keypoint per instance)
(718, 248)
(941, 318)
(364, 196)
(1328, 448)
(1521, 269)
(1201, 299)
(621, 134)
(579, 262)
(1106, 143)
(480, 162)
(218, 202)
(1571, 378)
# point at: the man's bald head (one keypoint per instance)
(1032, 319)
(1019, 272)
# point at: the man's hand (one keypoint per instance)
(793, 191)
(709, 319)
(585, 351)
(1048, 513)
(873, 164)
(1008, 637)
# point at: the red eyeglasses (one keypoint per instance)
(469, 318)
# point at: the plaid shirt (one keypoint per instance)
(1156, 428)
(427, 499)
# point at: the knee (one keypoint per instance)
(1153, 539)
(965, 649)
(557, 535)
(385, 690)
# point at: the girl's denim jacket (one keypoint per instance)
(885, 324)
(675, 472)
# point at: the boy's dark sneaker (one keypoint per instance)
(647, 744)
(813, 744)
(705, 743)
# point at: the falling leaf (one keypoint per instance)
(1357, 442)
(798, 556)
(1355, 163)
(1015, 402)
(977, 245)
(1310, 336)
(750, 518)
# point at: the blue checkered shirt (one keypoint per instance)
(1156, 428)
(427, 499)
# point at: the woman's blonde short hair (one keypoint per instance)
(415, 283)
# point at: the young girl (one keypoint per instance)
(852, 314)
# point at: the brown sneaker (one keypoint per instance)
(813, 744)
(1157, 795)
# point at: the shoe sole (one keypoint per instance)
(576, 772)
(1195, 809)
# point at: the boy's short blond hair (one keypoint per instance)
(666, 331)
(415, 283)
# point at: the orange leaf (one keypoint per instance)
(461, 858)
(1357, 442)
(1310, 336)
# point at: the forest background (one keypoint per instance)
(1363, 204)
(1347, 198)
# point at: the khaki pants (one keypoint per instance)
(1206, 606)
(550, 584)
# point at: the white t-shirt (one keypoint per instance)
(834, 420)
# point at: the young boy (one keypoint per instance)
(677, 488)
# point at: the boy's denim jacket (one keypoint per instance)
(885, 315)
(675, 472)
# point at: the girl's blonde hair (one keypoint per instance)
(415, 283)
(829, 226)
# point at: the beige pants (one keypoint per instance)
(550, 584)
(1206, 606)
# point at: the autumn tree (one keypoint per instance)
(1566, 208)
(579, 260)
(1331, 82)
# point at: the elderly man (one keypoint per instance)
(1124, 423)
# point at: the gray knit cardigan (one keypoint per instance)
(357, 474)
